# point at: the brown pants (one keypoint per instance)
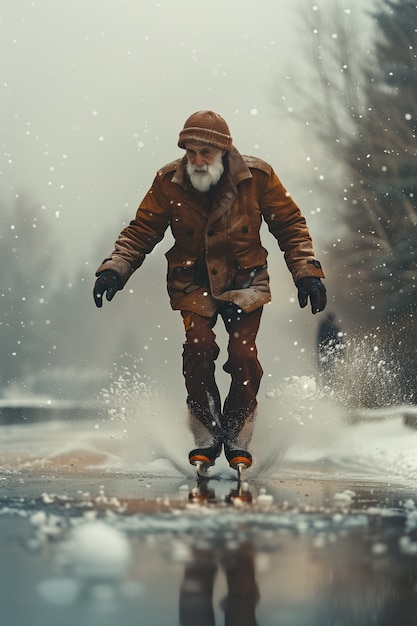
(209, 424)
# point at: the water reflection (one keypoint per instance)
(236, 560)
(296, 551)
(204, 492)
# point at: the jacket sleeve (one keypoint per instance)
(289, 227)
(141, 236)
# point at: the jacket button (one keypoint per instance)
(214, 271)
(210, 232)
(190, 233)
(245, 229)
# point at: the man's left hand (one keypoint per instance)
(313, 288)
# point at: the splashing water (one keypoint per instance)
(299, 427)
(153, 425)
(369, 373)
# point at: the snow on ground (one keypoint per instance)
(146, 435)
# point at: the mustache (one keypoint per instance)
(202, 168)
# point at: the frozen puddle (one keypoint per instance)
(277, 549)
(195, 513)
(107, 521)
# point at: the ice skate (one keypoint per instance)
(203, 458)
(239, 460)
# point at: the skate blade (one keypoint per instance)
(240, 467)
(202, 469)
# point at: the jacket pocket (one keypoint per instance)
(249, 264)
(182, 271)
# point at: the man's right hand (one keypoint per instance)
(108, 281)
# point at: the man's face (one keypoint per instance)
(204, 165)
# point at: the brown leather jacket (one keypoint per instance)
(217, 255)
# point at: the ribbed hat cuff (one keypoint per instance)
(211, 137)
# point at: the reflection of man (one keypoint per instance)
(196, 594)
(214, 200)
(330, 346)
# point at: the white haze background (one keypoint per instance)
(94, 93)
(93, 97)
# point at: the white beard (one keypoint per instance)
(202, 178)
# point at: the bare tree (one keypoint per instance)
(361, 92)
(362, 106)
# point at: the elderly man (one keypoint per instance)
(214, 200)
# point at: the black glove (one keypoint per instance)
(313, 287)
(108, 281)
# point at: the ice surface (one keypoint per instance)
(297, 433)
(94, 541)
(146, 435)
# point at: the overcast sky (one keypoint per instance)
(94, 93)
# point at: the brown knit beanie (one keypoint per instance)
(208, 127)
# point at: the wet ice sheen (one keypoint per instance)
(92, 549)
(90, 536)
